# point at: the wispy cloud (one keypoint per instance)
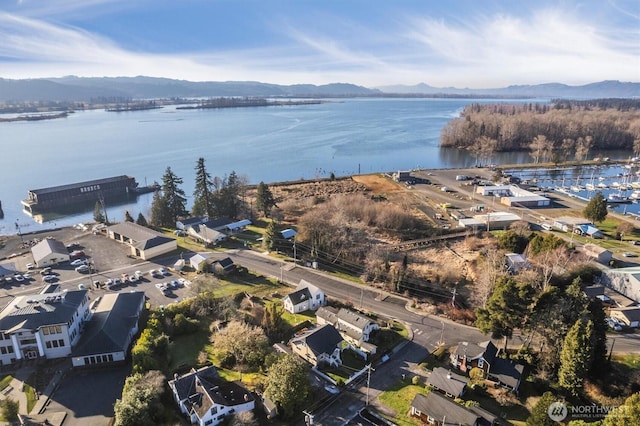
(487, 49)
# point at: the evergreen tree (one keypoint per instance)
(141, 220)
(596, 209)
(227, 203)
(159, 211)
(539, 415)
(174, 197)
(576, 356)
(506, 309)
(269, 237)
(598, 338)
(203, 200)
(264, 199)
(127, 216)
(626, 414)
(98, 215)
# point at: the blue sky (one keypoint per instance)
(459, 43)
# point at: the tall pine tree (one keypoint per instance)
(159, 212)
(174, 197)
(576, 356)
(203, 200)
(264, 199)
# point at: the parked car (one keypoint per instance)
(83, 269)
(133, 279)
(173, 284)
(163, 271)
(332, 389)
(629, 254)
(18, 278)
(613, 324)
(8, 279)
(138, 275)
(77, 254)
(30, 266)
(27, 277)
(46, 271)
(78, 262)
(49, 278)
(81, 286)
(163, 289)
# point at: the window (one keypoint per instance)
(61, 343)
(214, 409)
(481, 363)
(86, 360)
(208, 422)
(110, 357)
(10, 348)
(48, 345)
(55, 343)
(3, 350)
(58, 329)
(45, 330)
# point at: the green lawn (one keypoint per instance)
(295, 319)
(5, 382)
(388, 338)
(184, 349)
(30, 392)
(628, 361)
(399, 397)
(513, 413)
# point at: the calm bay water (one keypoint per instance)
(266, 144)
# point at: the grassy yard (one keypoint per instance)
(295, 319)
(512, 413)
(5, 382)
(399, 397)
(388, 338)
(30, 392)
(628, 361)
(255, 285)
(438, 358)
(184, 349)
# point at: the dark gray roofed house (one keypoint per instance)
(354, 327)
(184, 224)
(206, 235)
(451, 384)
(109, 333)
(320, 345)
(593, 291)
(218, 224)
(206, 399)
(436, 409)
(507, 373)
(226, 264)
(311, 299)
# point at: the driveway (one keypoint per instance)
(88, 396)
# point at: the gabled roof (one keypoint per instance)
(206, 233)
(288, 233)
(134, 231)
(199, 258)
(448, 382)
(8, 268)
(306, 284)
(218, 223)
(192, 220)
(153, 242)
(48, 246)
(226, 263)
(354, 319)
(327, 313)
(109, 328)
(507, 372)
(437, 406)
(200, 389)
(486, 350)
(632, 313)
(321, 340)
(33, 311)
(299, 296)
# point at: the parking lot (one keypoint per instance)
(108, 258)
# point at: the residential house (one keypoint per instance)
(597, 253)
(484, 356)
(198, 259)
(354, 328)
(110, 331)
(305, 297)
(451, 384)
(224, 266)
(144, 242)
(206, 399)
(589, 230)
(45, 325)
(49, 252)
(318, 346)
(630, 316)
(205, 235)
(184, 224)
(436, 409)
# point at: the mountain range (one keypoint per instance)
(73, 88)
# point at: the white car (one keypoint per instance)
(78, 262)
(49, 278)
(18, 278)
(138, 274)
(163, 271)
(27, 277)
(133, 279)
(83, 269)
(30, 266)
(81, 286)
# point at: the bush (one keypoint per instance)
(415, 380)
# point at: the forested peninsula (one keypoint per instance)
(555, 131)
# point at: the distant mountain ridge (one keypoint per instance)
(602, 89)
(73, 88)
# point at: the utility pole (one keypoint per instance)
(453, 299)
(368, 381)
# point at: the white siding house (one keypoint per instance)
(306, 297)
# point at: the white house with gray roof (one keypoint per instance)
(206, 399)
(144, 242)
(46, 325)
(305, 297)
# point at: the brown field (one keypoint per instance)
(378, 183)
